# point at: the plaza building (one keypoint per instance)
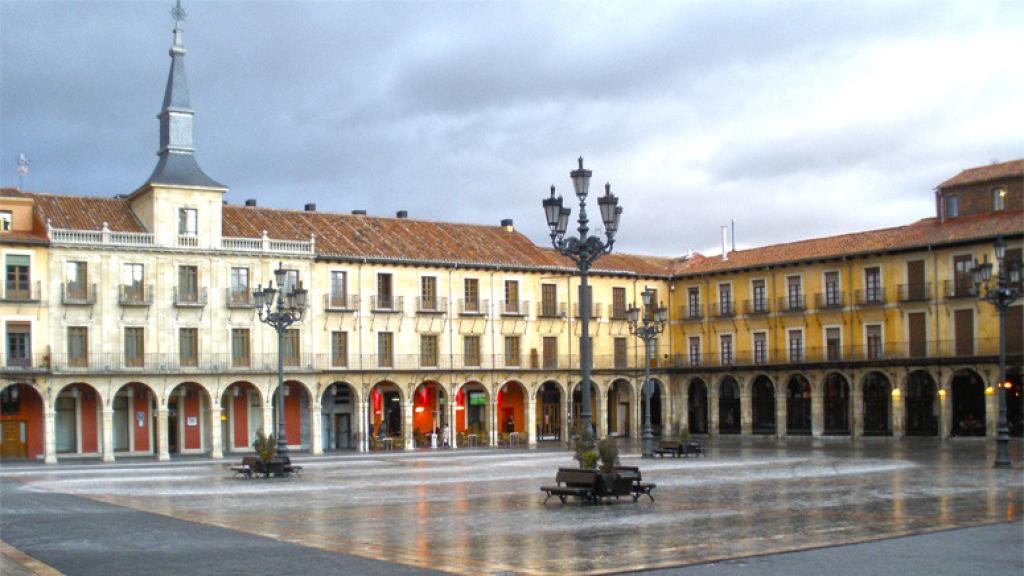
(130, 327)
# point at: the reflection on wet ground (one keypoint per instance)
(482, 512)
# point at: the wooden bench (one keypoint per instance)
(285, 466)
(673, 449)
(694, 447)
(637, 487)
(576, 482)
(247, 467)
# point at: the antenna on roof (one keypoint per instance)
(23, 170)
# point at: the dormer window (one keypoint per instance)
(5, 220)
(188, 222)
(998, 199)
(952, 206)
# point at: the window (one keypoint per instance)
(725, 348)
(339, 349)
(833, 344)
(873, 285)
(833, 296)
(78, 346)
(428, 293)
(385, 349)
(725, 299)
(239, 291)
(17, 287)
(188, 346)
(5, 220)
(512, 296)
(649, 312)
(794, 292)
(384, 295)
(548, 300)
(290, 350)
(873, 335)
(621, 357)
(134, 347)
(796, 346)
(471, 294)
(188, 284)
(10, 401)
(694, 350)
(19, 344)
(964, 280)
(76, 278)
(134, 277)
(339, 289)
(550, 352)
(471, 350)
(618, 303)
(693, 302)
(291, 280)
(760, 296)
(952, 206)
(428, 350)
(188, 221)
(512, 351)
(760, 348)
(998, 199)
(240, 347)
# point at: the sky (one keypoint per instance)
(796, 119)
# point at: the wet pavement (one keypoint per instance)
(481, 511)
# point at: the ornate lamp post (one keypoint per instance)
(646, 325)
(280, 314)
(1005, 294)
(583, 250)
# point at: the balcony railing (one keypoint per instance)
(550, 310)
(104, 237)
(169, 363)
(595, 310)
(792, 304)
(30, 295)
(867, 298)
(953, 290)
(30, 363)
(828, 300)
(341, 303)
(617, 313)
(473, 307)
(687, 312)
(188, 241)
(514, 307)
(431, 305)
(133, 295)
(389, 305)
(189, 298)
(77, 295)
(723, 309)
(756, 307)
(238, 298)
(918, 292)
(268, 245)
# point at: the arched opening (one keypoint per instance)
(729, 406)
(385, 409)
(837, 404)
(21, 420)
(241, 415)
(471, 414)
(763, 405)
(188, 426)
(798, 406)
(877, 398)
(576, 421)
(1015, 403)
(549, 411)
(511, 408)
(428, 413)
(338, 417)
(77, 420)
(296, 414)
(656, 407)
(134, 423)
(619, 401)
(697, 406)
(922, 409)
(968, 404)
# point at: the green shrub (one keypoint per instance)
(588, 459)
(608, 451)
(265, 446)
(684, 435)
(579, 446)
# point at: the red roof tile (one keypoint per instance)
(987, 173)
(86, 212)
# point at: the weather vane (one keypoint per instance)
(178, 13)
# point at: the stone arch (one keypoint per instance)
(298, 410)
(511, 407)
(619, 407)
(967, 391)
(836, 395)
(23, 406)
(729, 418)
(762, 399)
(697, 405)
(877, 393)
(798, 404)
(339, 416)
(921, 403)
(575, 422)
(429, 401)
(385, 403)
(550, 398)
(134, 425)
(241, 409)
(188, 418)
(472, 412)
(78, 419)
(659, 406)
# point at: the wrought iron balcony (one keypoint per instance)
(551, 310)
(22, 294)
(792, 304)
(687, 312)
(473, 307)
(341, 303)
(868, 298)
(74, 294)
(953, 289)
(433, 305)
(756, 307)
(515, 307)
(595, 310)
(725, 309)
(238, 298)
(917, 292)
(133, 295)
(189, 298)
(387, 305)
(828, 300)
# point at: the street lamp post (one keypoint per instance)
(280, 314)
(1005, 294)
(583, 250)
(646, 325)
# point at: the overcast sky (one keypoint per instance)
(798, 119)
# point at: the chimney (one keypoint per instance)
(251, 203)
(725, 238)
(508, 225)
(733, 223)
(311, 207)
(359, 212)
(402, 214)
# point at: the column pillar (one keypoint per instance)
(163, 452)
(897, 411)
(857, 409)
(817, 409)
(492, 418)
(407, 425)
(746, 409)
(602, 413)
(780, 411)
(216, 438)
(992, 408)
(713, 411)
(363, 441)
(268, 416)
(945, 413)
(531, 420)
(108, 435)
(316, 429)
(49, 435)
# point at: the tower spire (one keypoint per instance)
(177, 165)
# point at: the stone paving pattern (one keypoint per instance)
(481, 511)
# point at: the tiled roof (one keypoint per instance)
(24, 238)
(923, 233)
(986, 173)
(12, 193)
(86, 212)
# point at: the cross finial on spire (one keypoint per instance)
(178, 13)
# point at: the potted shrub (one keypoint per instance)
(608, 451)
(266, 449)
(581, 447)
